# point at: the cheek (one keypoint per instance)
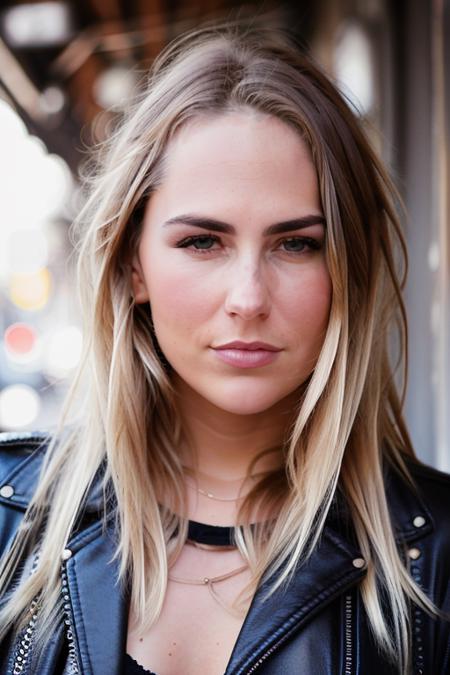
(180, 300)
(306, 306)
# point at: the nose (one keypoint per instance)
(248, 293)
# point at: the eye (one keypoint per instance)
(205, 243)
(296, 245)
(199, 244)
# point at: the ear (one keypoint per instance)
(138, 281)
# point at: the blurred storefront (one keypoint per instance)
(66, 71)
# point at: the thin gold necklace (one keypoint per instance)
(211, 547)
(210, 495)
(209, 582)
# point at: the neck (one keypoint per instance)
(220, 449)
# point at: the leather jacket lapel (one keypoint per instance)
(100, 608)
(329, 571)
(99, 605)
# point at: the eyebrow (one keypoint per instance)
(220, 226)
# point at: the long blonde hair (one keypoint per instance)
(350, 414)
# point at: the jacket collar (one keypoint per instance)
(100, 607)
(327, 573)
(332, 568)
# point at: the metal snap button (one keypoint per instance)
(66, 554)
(414, 553)
(7, 491)
(359, 562)
(419, 521)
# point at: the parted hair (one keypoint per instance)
(120, 415)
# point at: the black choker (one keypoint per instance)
(216, 535)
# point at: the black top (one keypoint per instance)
(204, 534)
(132, 667)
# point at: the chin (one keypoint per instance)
(244, 402)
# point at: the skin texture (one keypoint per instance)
(251, 171)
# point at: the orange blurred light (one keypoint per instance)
(30, 291)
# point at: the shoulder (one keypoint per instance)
(16, 446)
(21, 461)
(420, 510)
(433, 487)
(21, 455)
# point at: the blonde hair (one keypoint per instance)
(348, 421)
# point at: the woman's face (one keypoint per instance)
(232, 249)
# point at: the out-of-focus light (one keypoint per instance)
(30, 291)
(34, 185)
(114, 86)
(20, 342)
(63, 351)
(434, 256)
(11, 124)
(353, 66)
(19, 406)
(37, 24)
(52, 100)
(27, 251)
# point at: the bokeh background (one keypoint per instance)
(68, 68)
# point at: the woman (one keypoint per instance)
(238, 492)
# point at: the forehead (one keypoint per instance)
(238, 161)
(243, 140)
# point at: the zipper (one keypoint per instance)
(25, 641)
(348, 608)
(25, 638)
(23, 649)
(73, 666)
(348, 641)
(267, 653)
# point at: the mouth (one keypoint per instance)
(249, 346)
(247, 355)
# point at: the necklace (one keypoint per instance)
(209, 581)
(210, 535)
(210, 495)
(211, 538)
(211, 547)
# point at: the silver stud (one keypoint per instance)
(66, 554)
(414, 553)
(359, 562)
(419, 521)
(6, 491)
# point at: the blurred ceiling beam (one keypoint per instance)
(18, 84)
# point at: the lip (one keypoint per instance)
(247, 354)
(238, 344)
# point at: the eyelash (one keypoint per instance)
(313, 244)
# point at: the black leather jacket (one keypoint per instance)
(318, 626)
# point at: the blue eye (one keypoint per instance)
(203, 242)
(199, 243)
(294, 246)
(300, 244)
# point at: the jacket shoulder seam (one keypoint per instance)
(429, 473)
(8, 440)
